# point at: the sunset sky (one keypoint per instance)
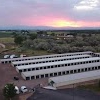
(55, 13)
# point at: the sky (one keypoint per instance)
(55, 13)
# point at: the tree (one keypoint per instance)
(9, 91)
(52, 34)
(42, 45)
(32, 36)
(18, 39)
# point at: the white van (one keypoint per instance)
(17, 90)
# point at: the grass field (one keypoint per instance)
(11, 48)
(7, 40)
(5, 34)
(41, 52)
(92, 87)
(31, 52)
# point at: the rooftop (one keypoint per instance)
(48, 59)
(52, 70)
(87, 52)
(77, 76)
(57, 63)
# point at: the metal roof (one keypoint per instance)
(77, 76)
(48, 59)
(96, 53)
(57, 63)
(87, 52)
(59, 69)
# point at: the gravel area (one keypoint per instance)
(7, 73)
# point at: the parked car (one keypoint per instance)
(12, 56)
(24, 89)
(21, 56)
(17, 90)
(15, 56)
(6, 56)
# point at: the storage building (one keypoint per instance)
(59, 64)
(74, 78)
(61, 71)
(47, 60)
(45, 56)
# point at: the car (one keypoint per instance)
(6, 56)
(12, 56)
(15, 56)
(24, 89)
(21, 56)
(17, 90)
(16, 78)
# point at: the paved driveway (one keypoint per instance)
(66, 94)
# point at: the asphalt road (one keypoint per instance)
(66, 94)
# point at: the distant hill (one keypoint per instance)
(45, 28)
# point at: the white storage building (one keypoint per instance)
(37, 61)
(61, 71)
(45, 56)
(74, 78)
(59, 64)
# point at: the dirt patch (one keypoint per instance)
(2, 45)
(7, 73)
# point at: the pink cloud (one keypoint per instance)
(57, 22)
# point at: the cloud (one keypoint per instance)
(87, 5)
(50, 12)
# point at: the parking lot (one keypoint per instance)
(7, 73)
(64, 94)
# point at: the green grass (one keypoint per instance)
(7, 40)
(41, 52)
(55, 32)
(31, 52)
(5, 34)
(11, 48)
(92, 87)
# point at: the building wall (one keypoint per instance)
(68, 71)
(78, 84)
(75, 81)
